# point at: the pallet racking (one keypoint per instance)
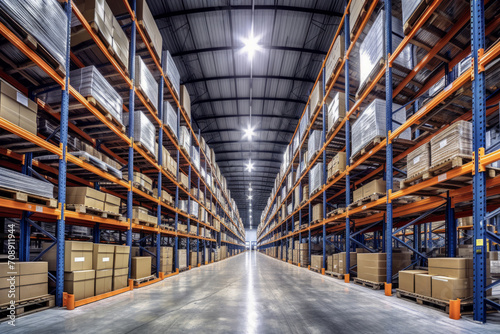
(383, 223)
(113, 141)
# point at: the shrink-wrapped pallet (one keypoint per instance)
(437, 87)
(336, 56)
(146, 81)
(296, 142)
(464, 65)
(492, 143)
(45, 20)
(170, 117)
(336, 110)
(13, 180)
(185, 101)
(315, 178)
(411, 10)
(304, 122)
(316, 99)
(371, 124)
(355, 11)
(455, 141)
(194, 208)
(195, 157)
(185, 138)
(418, 161)
(372, 49)
(170, 70)
(315, 143)
(144, 131)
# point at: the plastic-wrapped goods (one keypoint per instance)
(336, 56)
(183, 206)
(195, 157)
(492, 143)
(120, 44)
(418, 161)
(455, 141)
(299, 172)
(304, 122)
(185, 138)
(45, 20)
(408, 8)
(336, 111)
(186, 101)
(296, 142)
(286, 157)
(316, 99)
(10, 179)
(144, 131)
(372, 49)
(437, 87)
(171, 71)
(194, 208)
(355, 13)
(146, 81)
(99, 16)
(315, 143)
(170, 117)
(464, 65)
(371, 124)
(146, 21)
(315, 178)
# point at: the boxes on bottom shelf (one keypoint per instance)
(407, 279)
(317, 261)
(86, 196)
(80, 283)
(30, 281)
(77, 255)
(103, 256)
(141, 267)
(120, 278)
(182, 256)
(121, 257)
(423, 284)
(17, 108)
(103, 281)
(372, 266)
(448, 288)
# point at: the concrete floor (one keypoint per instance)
(249, 293)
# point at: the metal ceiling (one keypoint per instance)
(205, 39)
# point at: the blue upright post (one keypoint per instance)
(131, 102)
(323, 136)
(176, 246)
(309, 230)
(198, 221)
(347, 41)
(451, 228)
(479, 183)
(189, 215)
(388, 125)
(160, 163)
(25, 228)
(63, 142)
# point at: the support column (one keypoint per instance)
(347, 41)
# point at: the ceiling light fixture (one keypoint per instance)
(249, 166)
(250, 197)
(249, 132)
(251, 45)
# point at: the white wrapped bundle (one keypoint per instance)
(315, 143)
(315, 178)
(171, 71)
(170, 117)
(146, 82)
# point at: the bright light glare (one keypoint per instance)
(250, 210)
(250, 197)
(249, 166)
(249, 132)
(251, 45)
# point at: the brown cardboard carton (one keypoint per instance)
(423, 284)
(407, 279)
(85, 196)
(337, 164)
(77, 256)
(419, 160)
(329, 263)
(374, 187)
(317, 212)
(449, 288)
(182, 258)
(357, 194)
(186, 100)
(16, 108)
(31, 268)
(33, 279)
(141, 267)
(103, 281)
(80, 283)
(121, 257)
(335, 262)
(34, 290)
(193, 262)
(112, 203)
(103, 256)
(451, 267)
(120, 278)
(9, 282)
(120, 44)
(372, 266)
(99, 15)
(342, 269)
(317, 261)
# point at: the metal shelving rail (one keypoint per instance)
(126, 152)
(388, 219)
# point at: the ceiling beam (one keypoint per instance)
(241, 130)
(225, 142)
(232, 77)
(246, 159)
(205, 118)
(248, 151)
(247, 7)
(224, 99)
(234, 48)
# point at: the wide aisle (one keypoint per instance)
(249, 293)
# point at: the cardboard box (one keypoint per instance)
(372, 266)
(77, 256)
(419, 160)
(193, 261)
(449, 288)
(317, 212)
(80, 283)
(357, 194)
(103, 281)
(407, 279)
(103, 256)
(85, 196)
(16, 108)
(112, 203)
(451, 267)
(335, 263)
(186, 101)
(374, 187)
(423, 284)
(342, 269)
(317, 261)
(121, 257)
(141, 267)
(337, 164)
(9, 287)
(182, 253)
(120, 278)
(34, 290)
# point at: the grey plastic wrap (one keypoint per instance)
(304, 122)
(89, 82)
(183, 206)
(170, 117)
(418, 160)
(315, 143)
(492, 143)
(47, 128)
(145, 81)
(315, 178)
(371, 124)
(437, 87)
(408, 7)
(93, 160)
(171, 71)
(185, 138)
(17, 181)
(45, 20)
(194, 207)
(144, 130)
(299, 171)
(336, 110)
(296, 142)
(464, 65)
(195, 157)
(455, 141)
(372, 49)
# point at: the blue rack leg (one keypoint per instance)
(347, 41)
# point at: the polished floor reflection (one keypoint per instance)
(249, 293)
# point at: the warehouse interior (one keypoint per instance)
(251, 166)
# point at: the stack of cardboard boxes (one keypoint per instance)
(120, 267)
(30, 281)
(337, 262)
(141, 267)
(371, 188)
(103, 257)
(142, 215)
(91, 198)
(182, 256)
(337, 164)
(317, 262)
(372, 266)
(16, 108)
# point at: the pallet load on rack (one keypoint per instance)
(103, 257)
(185, 139)
(336, 111)
(195, 157)
(451, 146)
(186, 101)
(372, 51)
(170, 118)
(166, 258)
(144, 132)
(142, 182)
(29, 278)
(418, 161)
(356, 12)
(334, 58)
(120, 267)
(374, 188)
(406, 280)
(140, 215)
(370, 126)
(339, 262)
(193, 259)
(182, 256)
(316, 178)
(170, 70)
(98, 159)
(146, 82)
(85, 200)
(337, 165)
(141, 267)
(314, 145)
(24, 18)
(372, 266)
(21, 186)
(16, 108)
(317, 262)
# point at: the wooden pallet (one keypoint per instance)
(366, 200)
(334, 175)
(369, 284)
(335, 212)
(20, 196)
(444, 305)
(139, 281)
(106, 114)
(144, 189)
(28, 306)
(422, 6)
(447, 164)
(146, 150)
(143, 222)
(146, 98)
(360, 18)
(334, 71)
(149, 40)
(334, 274)
(316, 270)
(183, 269)
(371, 144)
(80, 208)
